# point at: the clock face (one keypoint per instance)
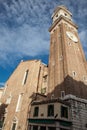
(72, 36)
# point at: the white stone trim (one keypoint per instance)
(25, 76)
(19, 103)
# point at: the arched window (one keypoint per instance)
(14, 124)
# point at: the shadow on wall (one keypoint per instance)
(2, 114)
(70, 86)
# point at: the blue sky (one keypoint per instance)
(24, 28)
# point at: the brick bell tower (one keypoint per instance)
(67, 63)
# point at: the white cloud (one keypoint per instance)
(26, 39)
(21, 42)
(83, 36)
(31, 37)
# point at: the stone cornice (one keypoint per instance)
(59, 19)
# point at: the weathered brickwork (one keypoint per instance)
(15, 87)
(67, 63)
(78, 112)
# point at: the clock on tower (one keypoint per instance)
(67, 63)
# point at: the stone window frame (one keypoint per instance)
(64, 112)
(36, 111)
(74, 73)
(15, 121)
(50, 110)
(19, 102)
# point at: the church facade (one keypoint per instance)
(20, 90)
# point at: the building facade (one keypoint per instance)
(27, 79)
(51, 114)
(38, 97)
(78, 112)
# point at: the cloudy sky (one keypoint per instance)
(24, 30)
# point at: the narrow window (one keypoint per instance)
(57, 16)
(62, 94)
(19, 103)
(50, 110)
(73, 73)
(25, 77)
(14, 126)
(64, 112)
(36, 111)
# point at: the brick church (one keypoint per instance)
(53, 97)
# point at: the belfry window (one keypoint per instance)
(57, 16)
(65, 14)
(25, 77)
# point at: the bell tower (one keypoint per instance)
(67, 63)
